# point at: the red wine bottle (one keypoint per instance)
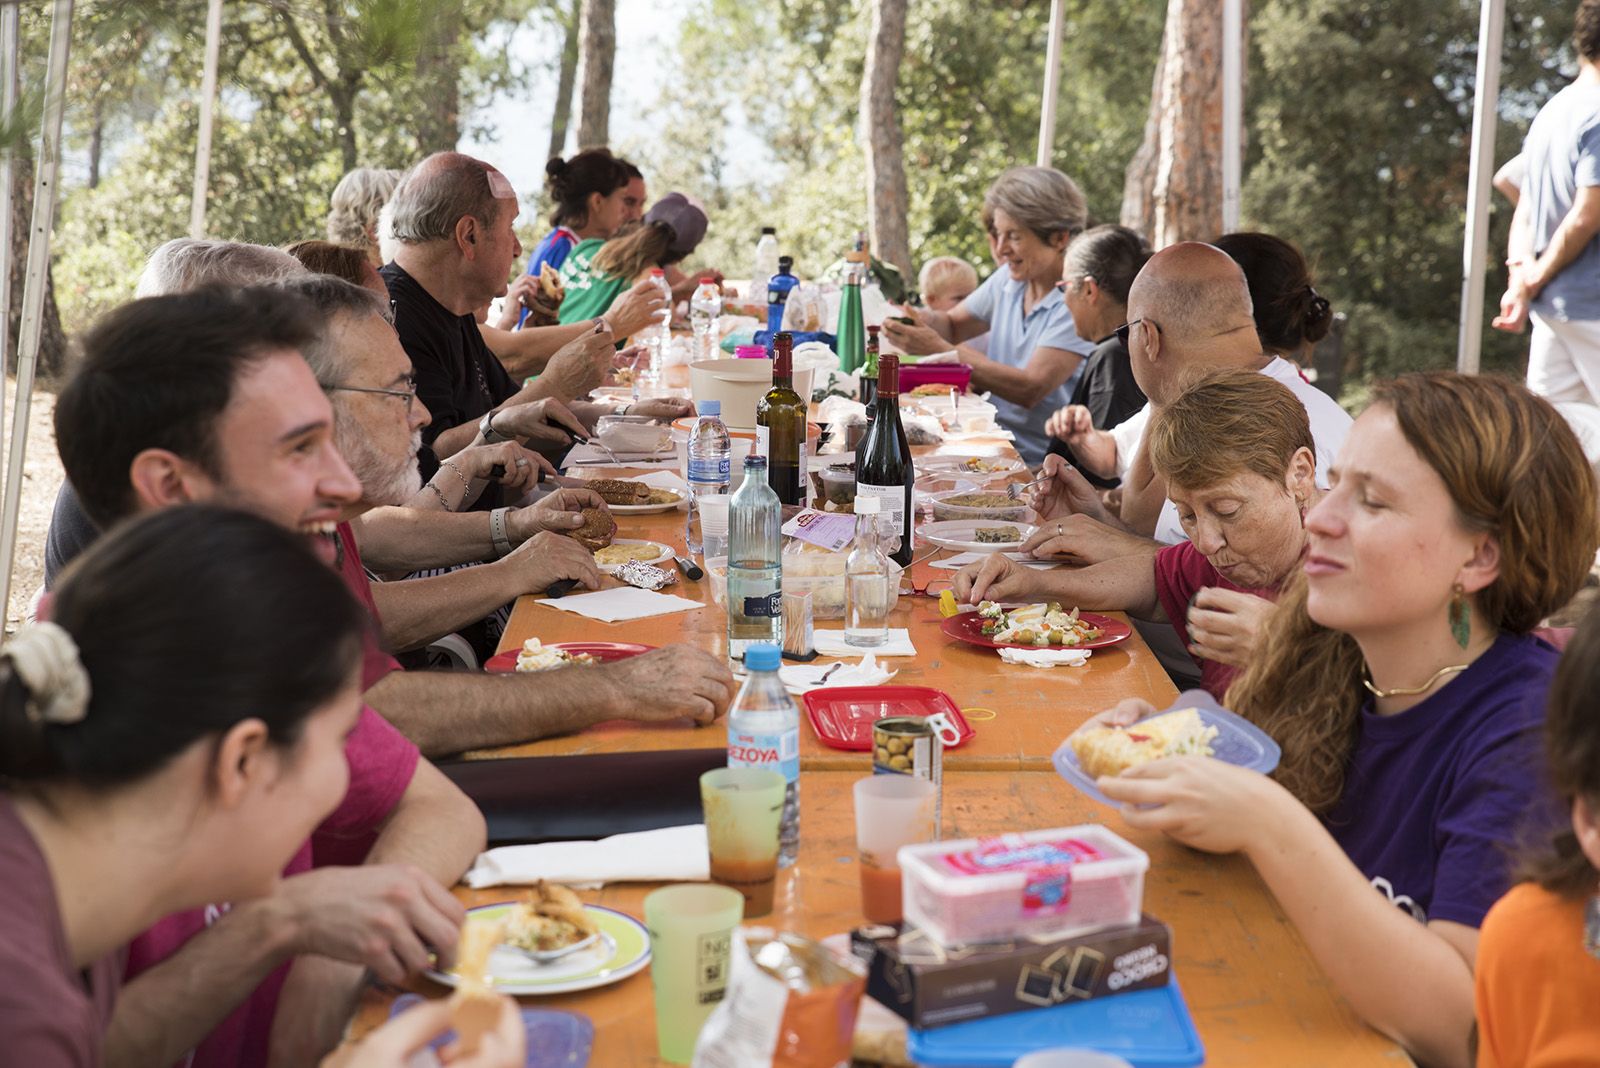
(869, 371)
(884, 467)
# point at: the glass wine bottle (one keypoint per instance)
(781, 427)
(884, 468)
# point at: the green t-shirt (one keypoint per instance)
(589, 292)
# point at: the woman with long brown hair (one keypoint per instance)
(1402, 679)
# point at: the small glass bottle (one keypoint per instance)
(866, 580)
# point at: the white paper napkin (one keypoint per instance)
(1046, 658)
(960, 560)
(636, 438)
(625, 602)
(802, 678)
(672, 854)
(832, 643)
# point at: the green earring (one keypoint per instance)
(1460, 617)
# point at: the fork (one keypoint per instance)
(1015, 491)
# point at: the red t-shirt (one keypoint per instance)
(1181, 572)
(382, 762)
(52, 1015)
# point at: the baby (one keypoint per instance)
(946, 281)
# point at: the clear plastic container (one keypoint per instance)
(808, 569)
(1049, 883)
(947, 505)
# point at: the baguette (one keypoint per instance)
(475, 1007)
(1113, 750)
(620, 490)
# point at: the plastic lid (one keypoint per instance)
(710, 407)
(762, 656)
(707, 280)
(868, 506)
(656, 272)
(755, 460)
(769, 230)
(784, 263)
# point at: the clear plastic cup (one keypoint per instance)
(743, 808)
(891, 811)
(691, 926)
(711, 512)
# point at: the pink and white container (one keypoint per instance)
(1037, 884)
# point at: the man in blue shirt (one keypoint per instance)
(1554, 251)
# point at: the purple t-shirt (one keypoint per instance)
(52, 1015)
(1436, 796)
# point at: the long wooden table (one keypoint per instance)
(1256, 995)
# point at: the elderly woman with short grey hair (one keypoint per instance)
(356, 202)
(1034, 353)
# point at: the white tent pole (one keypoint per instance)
(1232, 111)
(1052, 86)
(208, 93)
(10, 61)
(1475, 246)
(36, 278)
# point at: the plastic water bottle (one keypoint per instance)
(660, 334)
(755, 566)
(866, 580)
(710, 454)
(764, 732)
(705, 309)
(765, 264)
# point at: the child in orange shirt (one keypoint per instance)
(1538, 968)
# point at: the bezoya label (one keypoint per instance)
(779, 750)
(710, 470)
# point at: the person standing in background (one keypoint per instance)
(1553, 253)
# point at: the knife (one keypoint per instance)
(560, 588)
(690, 570)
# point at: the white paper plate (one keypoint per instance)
(646, 509)
(961, 534)
(663, 552)
(623, 949)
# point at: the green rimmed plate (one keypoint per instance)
(623, 950)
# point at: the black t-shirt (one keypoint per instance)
(1107, 388)
(71, 532)
(458, 378)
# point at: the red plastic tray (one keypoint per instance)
(968, 627)
(506, 663)
(843, 716)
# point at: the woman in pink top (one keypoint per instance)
(1240, 464)
(170, 738)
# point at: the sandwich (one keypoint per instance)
(620, 490)
(1113, 750)
(597, 531)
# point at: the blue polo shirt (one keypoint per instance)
(1013, 339)
(1563, 155)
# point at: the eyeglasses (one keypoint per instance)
(1125, 329)
(409, 394)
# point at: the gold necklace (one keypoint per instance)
(1402, 691)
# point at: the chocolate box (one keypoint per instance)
(932, 986)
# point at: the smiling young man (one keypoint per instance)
(206, 397)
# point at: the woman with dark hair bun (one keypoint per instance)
(1291, 316)
(169, 739)
(588, 191)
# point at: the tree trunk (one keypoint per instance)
(597, 42)
(569, 71)
(439, 80)
(886, 172)
(52, 341)
(96, 137)
(1173, 190)
(344, 113)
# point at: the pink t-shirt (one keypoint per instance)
(52, 1015)
(1181, 572)
(382, 762)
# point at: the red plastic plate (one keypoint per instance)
(506, 663)
(968, 627)
(843, 716)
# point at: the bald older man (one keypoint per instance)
(1189, 312)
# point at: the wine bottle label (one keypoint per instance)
(892, 514)
(764, 442)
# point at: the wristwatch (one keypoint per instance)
(498, 533)
(486, 428)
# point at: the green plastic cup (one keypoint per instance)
(743, 808)
(692, 926)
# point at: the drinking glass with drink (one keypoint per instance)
(743, 807)
(891, 811)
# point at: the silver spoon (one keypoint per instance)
(550, 956)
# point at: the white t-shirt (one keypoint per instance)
(1330, 424)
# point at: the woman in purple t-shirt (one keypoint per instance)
(170, 738)
(1401, 678)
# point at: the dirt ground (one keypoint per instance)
(41, 477)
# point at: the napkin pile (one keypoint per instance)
(831, 643)
(671, 854)
(801, 678)
(1046, 658)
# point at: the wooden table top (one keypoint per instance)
(1256, 995)
(1024, 712)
